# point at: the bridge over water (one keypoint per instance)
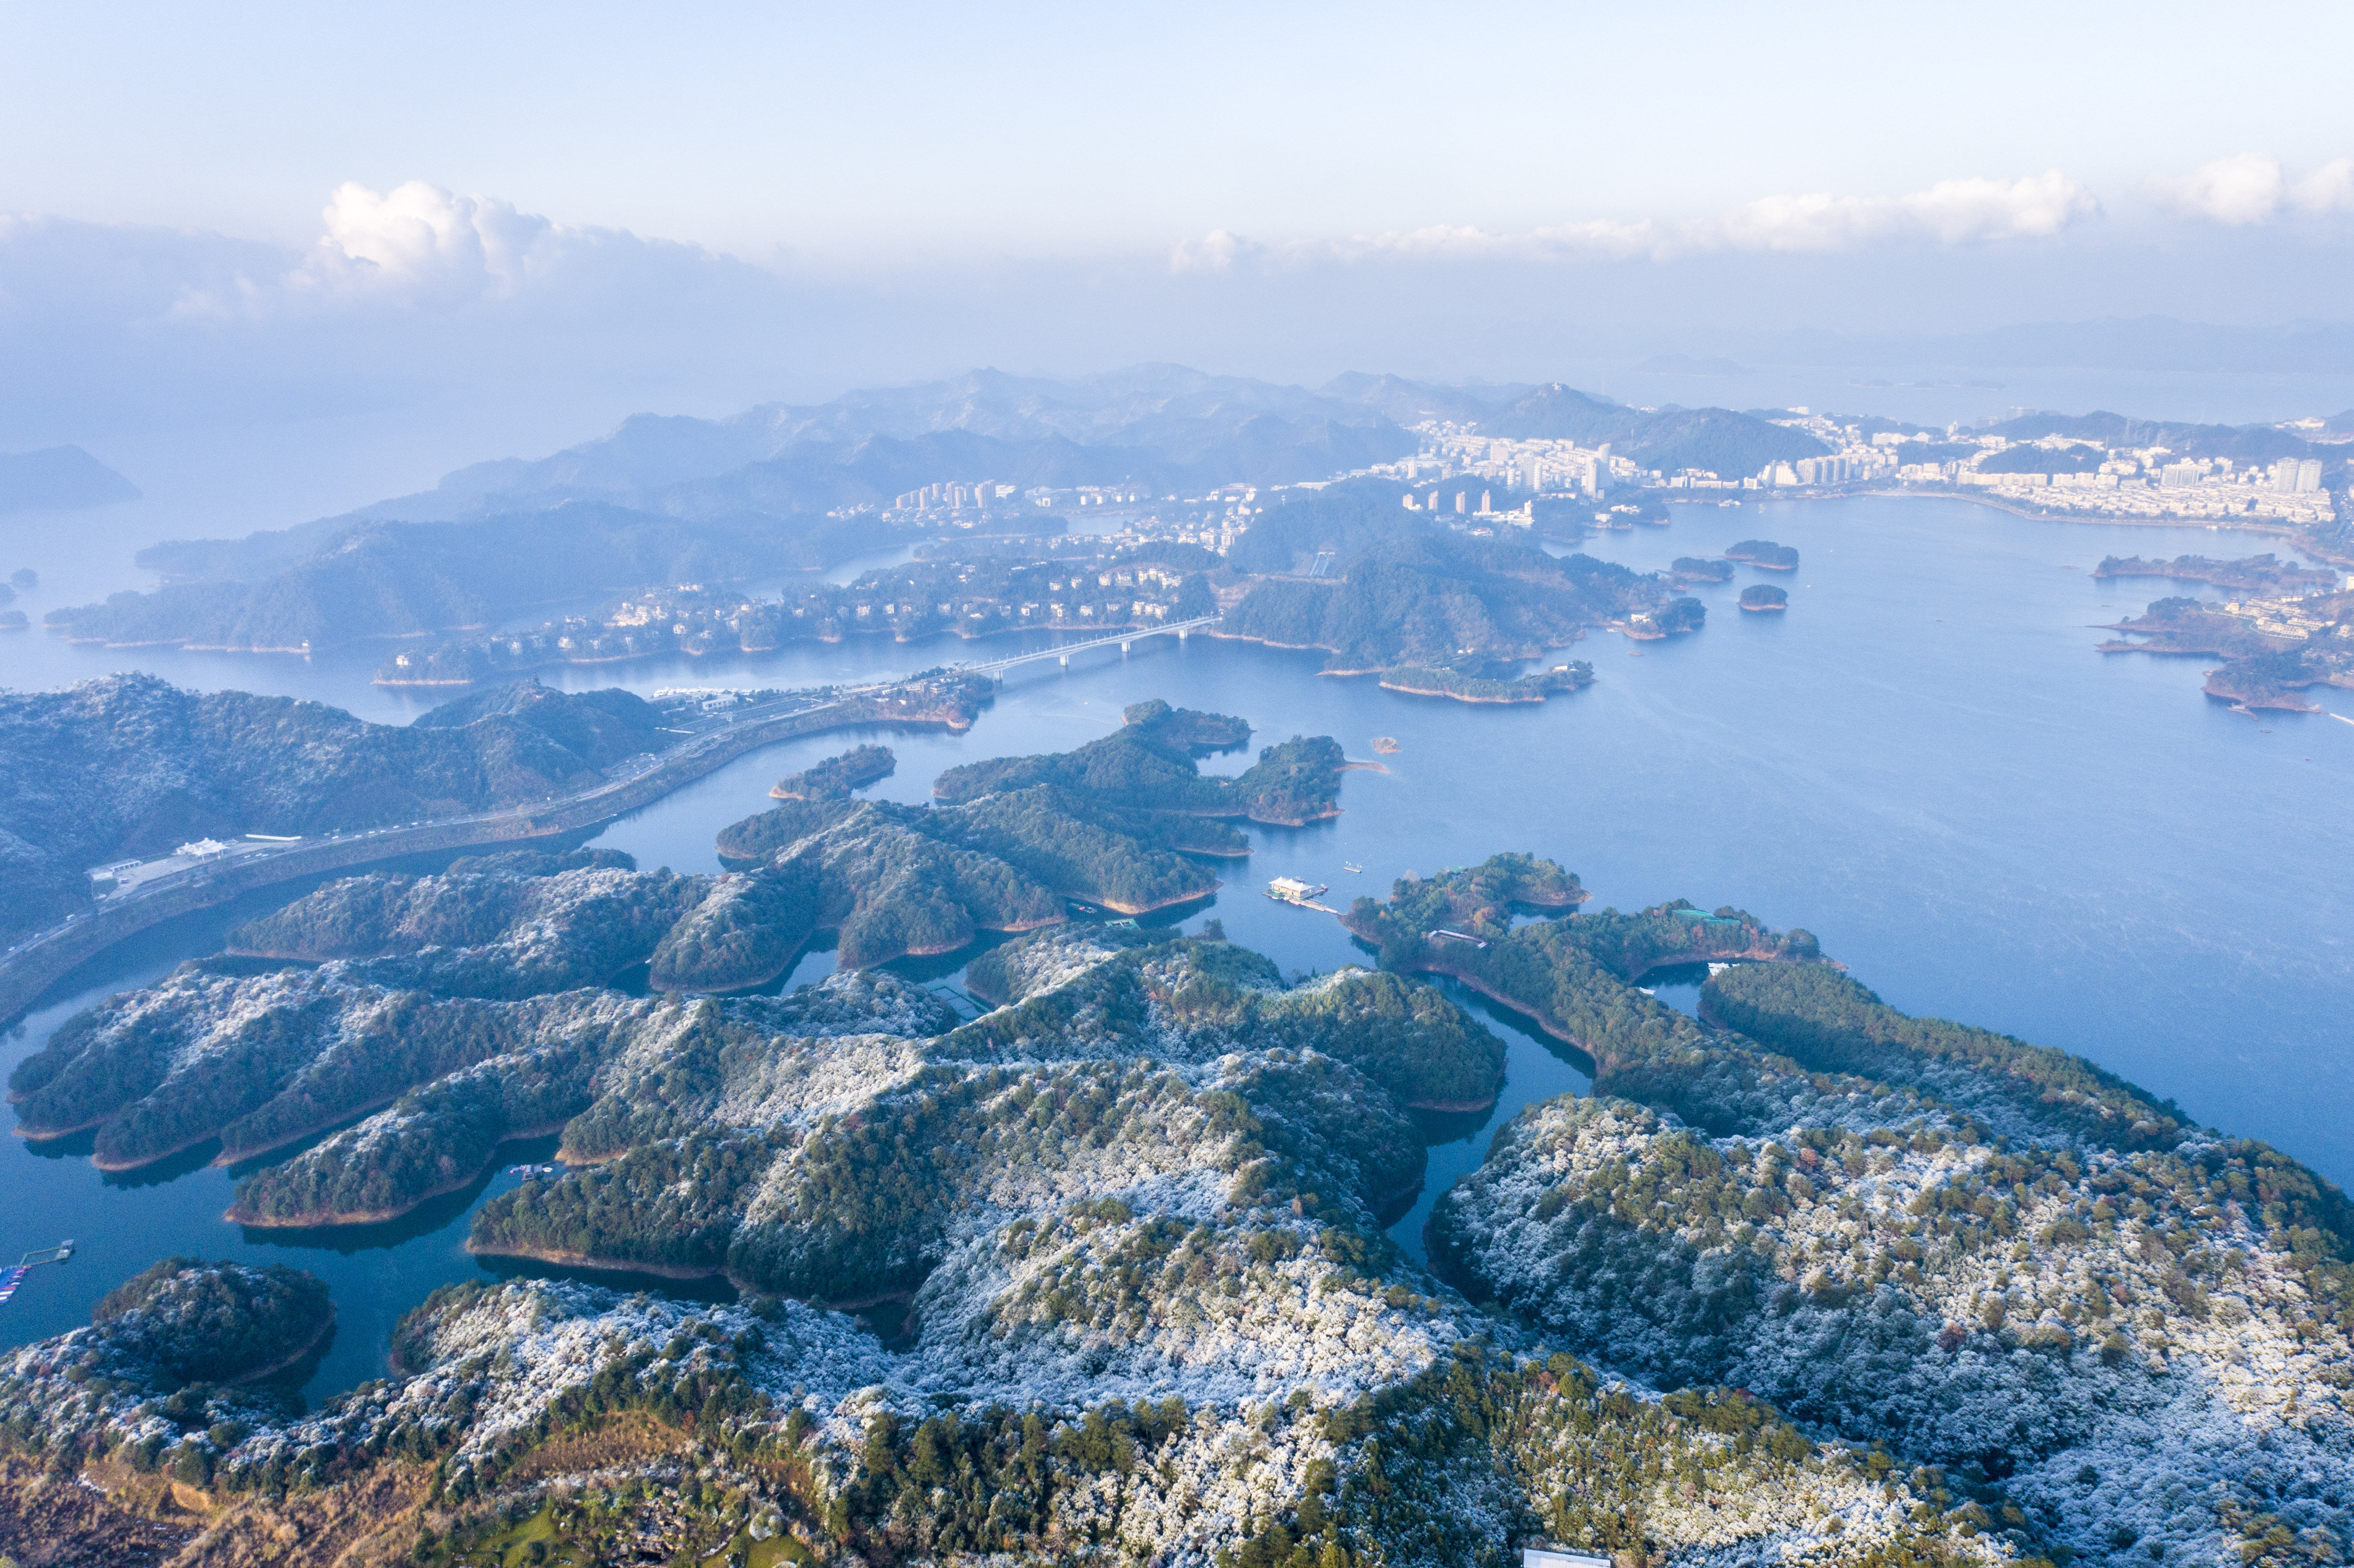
(1063, 651)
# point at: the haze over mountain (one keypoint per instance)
(673, 498)
(58, 479)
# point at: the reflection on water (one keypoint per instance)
(1536, 1067)
(706, 1287)
(1677, 985)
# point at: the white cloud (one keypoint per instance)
(2254, 188)
(2329, 189)
(2239, 190)
(421, 241)
(419, 245)
(1215, 251)
(1951, 212)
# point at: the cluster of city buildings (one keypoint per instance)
(1477, 480)
(2295, 620)
(2148, 482)
(1459, 452)
(949, 496)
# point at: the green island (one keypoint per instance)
(835, 778)
(1472, 687)
(1764, 598)
(1673, 619)
(1805, 1273)
(1700, 570)
(2266, 576)
(191, 1322)
(1150, 763)
(372, 987)
(1765, 555)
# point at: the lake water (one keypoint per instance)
(1923, 762)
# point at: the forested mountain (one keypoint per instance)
(1406, 593)
(384, 578)
(2183, 439)
(1160, 422)
(1718, 440)
(671, 499)
(132, 766)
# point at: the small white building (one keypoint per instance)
(1559, 1557)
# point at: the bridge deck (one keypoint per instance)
(1063, 651)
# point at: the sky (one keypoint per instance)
(483, 226)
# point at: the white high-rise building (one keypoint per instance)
(2308, 475)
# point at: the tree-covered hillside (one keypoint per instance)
(1150, 1312)
(1148, 764)
(131, 766)
(834, 778)
(397, 579)
(1983, 1255)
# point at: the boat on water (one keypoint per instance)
(1349, 866)
(1292, 890)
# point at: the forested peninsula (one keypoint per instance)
(2273, 649)
(129, 766)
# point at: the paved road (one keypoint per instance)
(37, 961)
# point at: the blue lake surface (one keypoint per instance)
(1923, 762)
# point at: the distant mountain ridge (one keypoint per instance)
(58, 479)
(669, 498)
(1165, 423)
(1719, 440)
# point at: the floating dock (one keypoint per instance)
(13, 1274)
(1292, 890)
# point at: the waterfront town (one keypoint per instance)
(1494, 478)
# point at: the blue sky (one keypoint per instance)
(844, 131)
(253, 214)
